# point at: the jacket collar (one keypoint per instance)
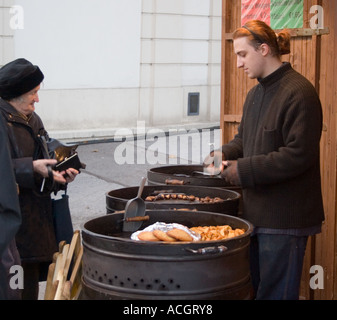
(276, 75)
(4, 105)
(12, 114)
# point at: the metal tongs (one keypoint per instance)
(205, 174)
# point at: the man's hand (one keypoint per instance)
(213, 162)
(230, 173)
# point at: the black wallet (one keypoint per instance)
(70, 162)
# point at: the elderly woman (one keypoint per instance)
(19, 85)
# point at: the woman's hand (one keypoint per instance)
(68, 175)
(41, 167)
(71, 174)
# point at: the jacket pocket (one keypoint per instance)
(271, 140)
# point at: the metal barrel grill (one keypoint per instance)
(185, 175)
(189, 175)
(116, 199)
(116, 267)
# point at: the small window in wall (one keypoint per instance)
(193, 104)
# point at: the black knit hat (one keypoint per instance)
(18, 77)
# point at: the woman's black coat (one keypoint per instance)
(36, 238)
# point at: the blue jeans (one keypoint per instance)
(276, 263)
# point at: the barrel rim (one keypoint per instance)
(234, 193)
(128, 240)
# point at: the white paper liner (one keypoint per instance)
(166, 227)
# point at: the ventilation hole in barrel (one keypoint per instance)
(92, 276)
(162, 286)
(141, 280)
(170, 281)
(135, 285)
(156, 281)
(121, 284)
(128, 279)
(110, 281)
(116, 277)
(178, 286)
(100, 279)
(148, 286)
(105, 275)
